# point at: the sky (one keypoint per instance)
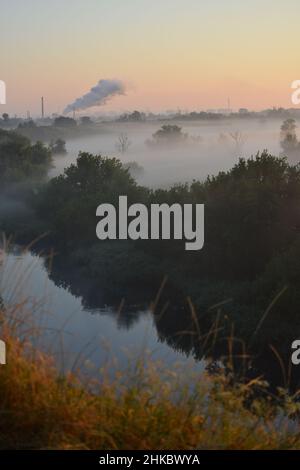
(187, 54)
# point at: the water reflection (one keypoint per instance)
(82, 321)
(77, 328)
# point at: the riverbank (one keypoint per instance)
(42, 409)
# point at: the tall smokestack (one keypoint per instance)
(42, 102)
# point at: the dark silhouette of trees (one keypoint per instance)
(30, 124)
(63, 121)
(86, 121)
(20, 160)
(168, 134)
(58, 147)
(135, 116)
(288, 137)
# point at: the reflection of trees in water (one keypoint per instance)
(213, 337)
(212, 334)
(124, 305)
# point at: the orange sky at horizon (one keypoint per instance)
(174, 54)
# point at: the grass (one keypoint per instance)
(145, 407)
(149, 410)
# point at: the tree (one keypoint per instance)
(5, 117)
(134, 168)
(58, 147)
(135, 116)
(239, 140)
(69, 201)
(30, 124)
(251, 214)
(243, 111)
(21, 161)
(62, 121)
(86, 121)
(123, 143)
(168, 134)
(288, 137)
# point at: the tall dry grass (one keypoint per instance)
(41, 409)
(144, 407)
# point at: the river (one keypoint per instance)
(78, 337)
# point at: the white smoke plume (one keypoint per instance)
(98, 95)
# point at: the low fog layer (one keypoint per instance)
(209, 148)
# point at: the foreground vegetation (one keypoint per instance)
(144, 408)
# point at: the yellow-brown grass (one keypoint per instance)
(40, 409)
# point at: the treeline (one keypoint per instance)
(252, 224)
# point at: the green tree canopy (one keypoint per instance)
(20, 160)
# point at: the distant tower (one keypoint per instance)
(42, 103)
(74, 113)
(228, 104)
